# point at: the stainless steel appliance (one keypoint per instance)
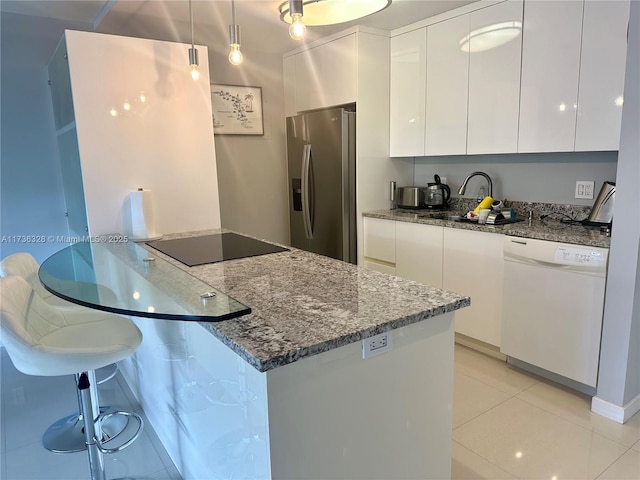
(437, 194)
(410, 197)
(322, 192)
(602, 210)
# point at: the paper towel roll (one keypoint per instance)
(143, 226)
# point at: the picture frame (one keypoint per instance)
(237, 110)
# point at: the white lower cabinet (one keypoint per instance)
(463, 261)
(379, 245)
(372, 264)
(419, 253)
(473, 266)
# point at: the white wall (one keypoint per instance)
(32, 201)
(164, 143)
(619, 378)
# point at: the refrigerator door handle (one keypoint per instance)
(306, 216)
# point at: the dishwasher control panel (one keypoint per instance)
(566, 255)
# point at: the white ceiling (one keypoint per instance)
(261, 28)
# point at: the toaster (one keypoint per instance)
(410, 197)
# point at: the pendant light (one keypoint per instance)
(297, 29)
(193, 51)
(235, 55)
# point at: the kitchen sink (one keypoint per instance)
(502, 221)
(434, 215)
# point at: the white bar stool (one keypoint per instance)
(65, 435)
(45, 341)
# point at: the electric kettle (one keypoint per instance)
(602, 210)
(437, 195)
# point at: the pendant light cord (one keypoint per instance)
(233, 12)
(191, 22)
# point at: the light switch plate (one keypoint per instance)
(584, 189)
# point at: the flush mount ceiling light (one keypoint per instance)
(329, 12)
(193, 51)
(491, 36)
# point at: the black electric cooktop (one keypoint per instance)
(214, 248)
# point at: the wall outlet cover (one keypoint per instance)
(377, 344)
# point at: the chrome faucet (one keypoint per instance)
(482, 174)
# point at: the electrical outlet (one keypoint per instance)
(377, 344)
(443, 180)
(584, 189)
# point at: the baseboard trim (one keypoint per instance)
(480, 346)
(615, 412)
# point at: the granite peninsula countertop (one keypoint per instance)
(548, 229)
(304, 304)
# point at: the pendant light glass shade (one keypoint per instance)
(193, 63)
(193, 51)
(235, 55)
(297, 29)
(329, 12)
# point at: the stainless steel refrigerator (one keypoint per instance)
(322, 187)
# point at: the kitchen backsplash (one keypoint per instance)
(536, 177)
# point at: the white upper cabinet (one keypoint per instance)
(408, 89)
(325, 75)
(307, 80)
(602, 67)
(494, 45)
(447, 88)
(550, 73)
(339, 72)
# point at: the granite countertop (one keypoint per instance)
(547, 229)
(304, 304)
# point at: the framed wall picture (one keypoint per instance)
(237, 110)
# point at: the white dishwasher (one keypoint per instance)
(553, 306)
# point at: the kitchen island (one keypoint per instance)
(285, 392)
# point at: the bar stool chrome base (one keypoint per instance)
(67, 434)
(96, 447)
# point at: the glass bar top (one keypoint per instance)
(122, 277)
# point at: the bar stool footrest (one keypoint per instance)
(131, 418)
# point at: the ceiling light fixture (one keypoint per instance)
(297, 29)
(329, 12)
(491, 36)
(193, 51)
(235, 55)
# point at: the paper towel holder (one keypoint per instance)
(141, 220)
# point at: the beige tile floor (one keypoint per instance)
(509, 423)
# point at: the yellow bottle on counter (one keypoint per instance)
(485, 203)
